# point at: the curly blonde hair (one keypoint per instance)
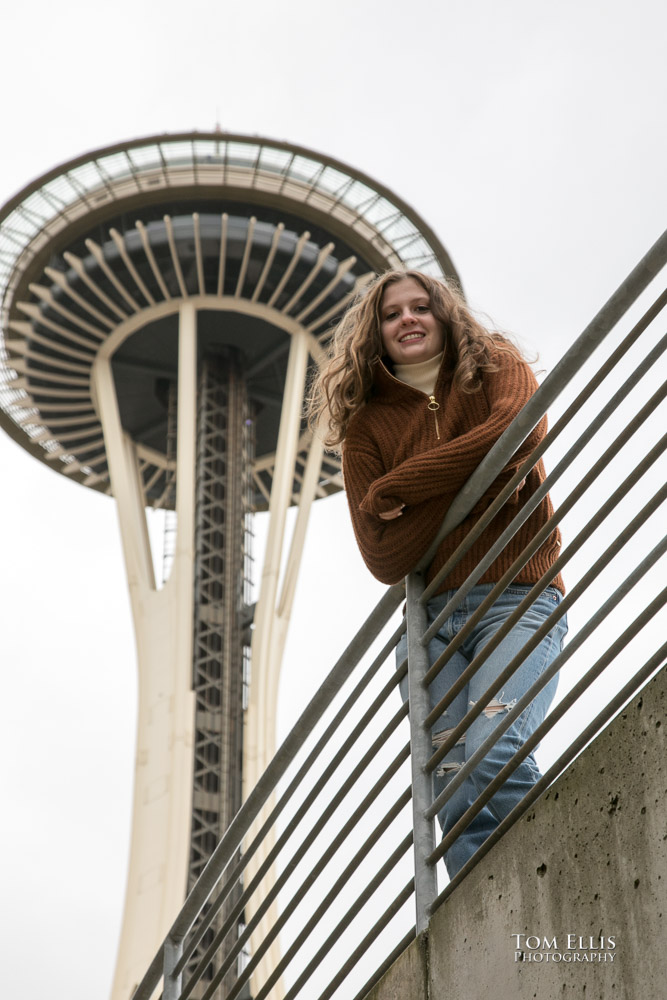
(345, 380)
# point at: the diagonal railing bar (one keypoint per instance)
(367, 940)
(393, 767)
(580, 539)
(591, 625)
(399, 759)
(225, 869)
(655, 662)
(341, 881)
(589, 577)
(582, 685)
(570, 456)
(359, 902)
(596, 470)
(303, 808)
(531, 414)
(287, 833)
(562, 423)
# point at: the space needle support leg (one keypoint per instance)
(160, 837)
(261, 716)
(285, 600)
(260, 728)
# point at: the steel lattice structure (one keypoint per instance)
(222, 605)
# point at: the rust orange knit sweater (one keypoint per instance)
(392, 455)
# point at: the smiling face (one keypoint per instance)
(409, 330)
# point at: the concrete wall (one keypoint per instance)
(588, 861)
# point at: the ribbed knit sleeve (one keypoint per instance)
(441, 470)
(390, 549)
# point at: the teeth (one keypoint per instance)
(411, 336)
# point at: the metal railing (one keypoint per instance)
(353, 848)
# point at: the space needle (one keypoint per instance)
(162, 303)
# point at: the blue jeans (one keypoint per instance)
(527, 773)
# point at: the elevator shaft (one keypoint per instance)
(222, 583)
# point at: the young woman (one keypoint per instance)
(414, 394)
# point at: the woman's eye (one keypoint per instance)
(421, 308)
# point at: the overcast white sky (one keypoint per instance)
(529, 135)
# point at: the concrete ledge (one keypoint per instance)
(586, 867)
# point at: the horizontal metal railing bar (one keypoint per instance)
(531, 414)
(362, 947)
(350, 913)
(285, 875)
(591, 625)
(570, 456)
(508, 577)
(368, 716)
(577, 543)
(563, 422)
(589, 577)
(386, 965)
(547, 725)
(656, 661)
(293, 742)
(316, 916)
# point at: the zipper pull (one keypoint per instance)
(434, 405)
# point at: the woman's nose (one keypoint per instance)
(407, 315)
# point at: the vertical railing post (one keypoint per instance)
(426, 883)
(172, 983)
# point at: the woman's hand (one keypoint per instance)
(389, 515)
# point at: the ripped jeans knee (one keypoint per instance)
(495, 707)
(456, 755)
(454, 759)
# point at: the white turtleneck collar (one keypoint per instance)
(422, 375)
